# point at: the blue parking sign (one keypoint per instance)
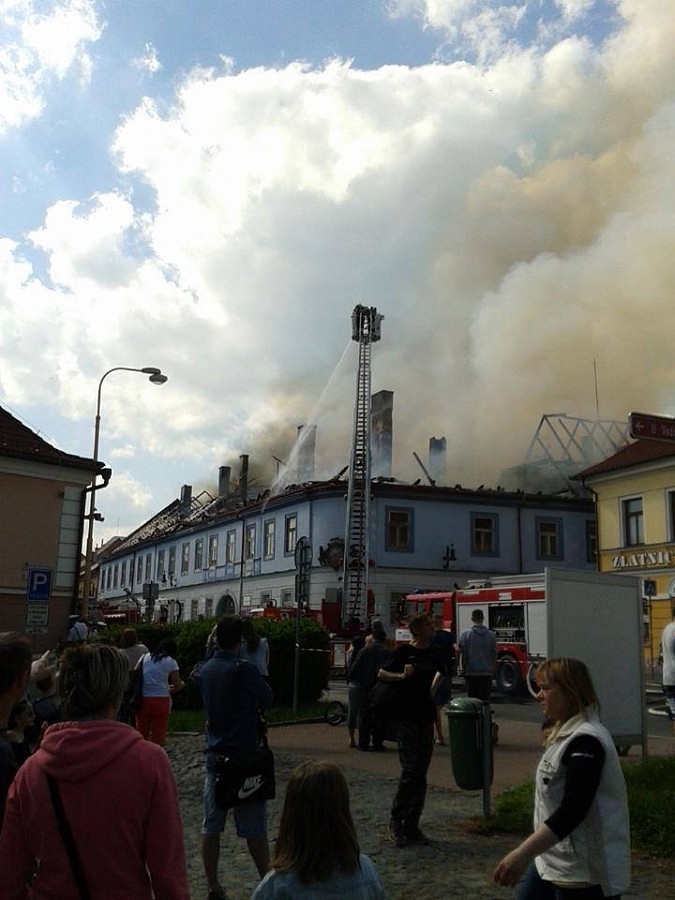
(39, 586)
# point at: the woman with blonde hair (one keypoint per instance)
(317, 851)
(580, 847)
(94, 811)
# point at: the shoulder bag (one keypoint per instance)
(136, 686)
(247, 777)
(385, 698)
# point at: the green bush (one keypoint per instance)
(191, 637)
(651, 795)
(651, 799)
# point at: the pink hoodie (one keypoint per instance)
(120, 798)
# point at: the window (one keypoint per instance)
(148, 567)
(290, 533)
(591, 542)
(249, 551)
(549, 538)
(213, 550)
(139, 570)
(123, 576)
(399, 529)
(231, 547)
(199, 554)
(159, 571)
(116, 574)
(108, 579)
(671, 513)
(185, 559)
(633, 522)
(268, 539)
(172, 561)
(484, 534)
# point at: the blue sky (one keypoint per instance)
(212, 187)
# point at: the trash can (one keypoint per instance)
(470, 727)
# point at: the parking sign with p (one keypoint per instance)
(39, 585)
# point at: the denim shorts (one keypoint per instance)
(250, 818)
(669, 691)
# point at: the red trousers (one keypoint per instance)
(152, 719)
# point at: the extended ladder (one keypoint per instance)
(365, 330)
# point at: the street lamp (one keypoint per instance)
(156, 376)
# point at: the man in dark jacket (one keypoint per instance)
(234, 692)
(370, 660)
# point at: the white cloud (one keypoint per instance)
(513, 222)
(149, 62)
(41, 43)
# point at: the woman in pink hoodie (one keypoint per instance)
(118, 794)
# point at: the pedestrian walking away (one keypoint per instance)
(234, 695)
(478, 657)
(161, 680)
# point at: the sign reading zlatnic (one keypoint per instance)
(644, 560)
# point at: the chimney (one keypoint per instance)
(437, 459)
(224, 482)
(381, 433)
(306, 452)
(243, 477)
(185, 499)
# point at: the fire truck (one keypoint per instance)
(517, 610)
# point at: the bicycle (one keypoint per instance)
(335, 712)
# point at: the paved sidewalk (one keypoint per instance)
(456, 862)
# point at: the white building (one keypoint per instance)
(210, 555)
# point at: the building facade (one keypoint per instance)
(42, 508)
(635, 506)
(206, 556)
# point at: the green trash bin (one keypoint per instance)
(467, 727)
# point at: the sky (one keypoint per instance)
(211, 187)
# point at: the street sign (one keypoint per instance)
(39, 585)
(652, 428)
(37, 615)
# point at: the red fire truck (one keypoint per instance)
(514, 610)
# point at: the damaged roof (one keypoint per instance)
(17, 441)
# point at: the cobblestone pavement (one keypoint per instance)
(456, 864)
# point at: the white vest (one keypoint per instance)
(598, 850)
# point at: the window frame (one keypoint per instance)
(290, 533)
(395, 546)
(231, 546)
(557, 522)
(185, 558)
(212, 551)
(250, 536)
(198, 564)
(493, 518)
(630, 518)
(269, 538)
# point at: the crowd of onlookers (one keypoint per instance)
(89, 805)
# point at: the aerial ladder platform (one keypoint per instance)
(366, 329)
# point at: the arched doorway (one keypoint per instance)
(226, 606)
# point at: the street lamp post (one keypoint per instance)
(156, 377)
